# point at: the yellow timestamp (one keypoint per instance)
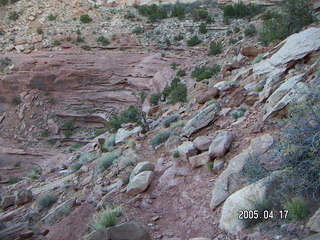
(265, 214)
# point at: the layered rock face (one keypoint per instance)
(90, 82)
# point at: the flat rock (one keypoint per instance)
(24, 196)
(202, 142)
(187, 149)
(141, 166)
(128, 231)
(220, 144)
(122, 134)
(140, 183)
(201, 120)
(199, 160)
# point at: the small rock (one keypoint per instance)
(23, 197)
(7, 201)
(187, 149)
(141, 166)
(202, 142)
(140, 183)
(220, 144)
(199, 160)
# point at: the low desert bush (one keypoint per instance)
(154, 98)
(106, 161)
(85, 18)
(215, 48)
(205, 72)
(170, 119)
(203, 28)
(250, 31)
(46, 201)
(160, 138)
(297, 209)
(16, 100)
(109, 143)
(181, 73)
(13, 15)
(193, 41)
(76, 166)
(241, 10)
(105, 218)
(103, 40)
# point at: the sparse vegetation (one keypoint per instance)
(204, 72)
(51, 100)
(103, 40)
(39, 31)
(160, 138)
(46, 201)
(201, 15)
(131, 115)
(193, 41)
(99, 132)
(179, 12)
(239, 112)
(106, 161)
(52, 17)
(259, 205)
(34, 173)
(4, 62)
(178, 93)
(106, 218)
(250, 31)
(174, 66)
(170, 119)
(16, 100)
(236, 29)
(215, 48)
(178, 37)
(253, 170)
(85, 18)
(74, 147)
(297, 209)
(68, 127)
(154, 98)
(14, 180)
(277, 26)
(176, 154)
(137, 30)
(86, 47)
(241, 10)
(79, 39)
(153, 12)
(181, 73)
(56, 43)
(45, 133)
(109, 143)
(87, 157)
(76, 166)
(13, 15)
(203, 28)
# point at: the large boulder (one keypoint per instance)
(229, 180)
(290, 92)
(202, 119)
(23, 197)
(294, 47)
(141, 166)
(128, 231)
(220, 144)
(122, 134)
(202, 142)
(140, 183)
(243, 200)
(199, 160)
(187, 149)
(314, 222)
(207, 95)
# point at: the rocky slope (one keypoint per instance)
(191, 186)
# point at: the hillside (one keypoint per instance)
(192, 120)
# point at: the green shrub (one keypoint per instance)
(78, 32)
(80, 39)
(253, 170)
(34, 173)
(52, 17)
(174, 66)
(109, 143)
(296, 15)
(85, 18)
(167, 90)
(131, 115)
(47, 201)
(3, 2)
(260, 89)
(176, 154)
(168, 42)
(209, 165)
(76, 166)
(137, 30)
(203, 28)
(299, 150)
(178, 37)
(74, 147)
(106, 161)
(39, 31)
(240, 10)
(260, 205)
(204, 72)
(178, 94)
(194, 40)
(129, 15)
(239, 112)
(4, 62)
(56, 43)
(99, 132)
(232, 41)
(201, 15)
(236, 29)
(104, 41)
(297, 209)
(87, 157)
(181, 73)
(16, 100)
(45, 133)
(13, 15)
(170, 119)
(250, 31)
(153, 12)
(154, 98)
(178, 11)
(14, 180)
(160, 138)
(106, 218)
(68, 127)
(86, 47)
(215, 48)
(51, 100)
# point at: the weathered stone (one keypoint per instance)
(313, 237)
(7, 201)
(217, 165)
(122, 134)
(229, 180)
(59, 212)
(100, 234)
(140, 183)
(53, 126)
(141, 166)
(202, 119)
(220, 144)
(199, 160)
(295, 47)
(202, 142)
(23, 197)
(173, 142)
(250, 51)
(242, 200)
(314, 222)
(187, 149)
(128, 231)
(207, 95)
